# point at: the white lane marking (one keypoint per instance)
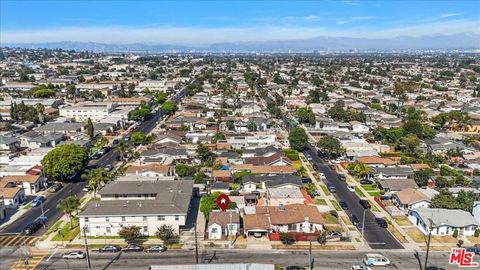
(55, 251)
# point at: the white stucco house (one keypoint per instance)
(223, 224)
(443, 221)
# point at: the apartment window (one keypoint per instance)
(177, 218)
(86, 219)
(145, 230)
(107, 219)
(144, 218)
(161, 218)
(123, 218)
(109, 230)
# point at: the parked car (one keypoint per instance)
(366, 182)
(360, 267)
(309, 157)
(133, 248)
(333, 167)
(342, 177)
(354, 220)
(376, 260)
(475, 250)
(381, 222)
(334, 234)
(56, 187)
(351, 188)
(331, 188)
(343, 205)
(315, 167)
(322, 175)
(156, 248)
(86, 188)
(31, 228)
(306, 180)
(365, 204)
(74, 255)
(108, 167)
(37, 201)
(109, 248)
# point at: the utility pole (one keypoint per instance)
(196, 242)
(310, 256)
(363, 225)
(89, 266)
(428, 242)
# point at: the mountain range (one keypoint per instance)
(464, 41)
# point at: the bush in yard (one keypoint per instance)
(477, 233)
(460, 243)
(167, 234)
(130, 233)
(455, 233)
(287, 238)
(322, 238)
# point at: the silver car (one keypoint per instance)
(74, 255)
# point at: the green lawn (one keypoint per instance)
(359, 192)
(55, 226)
(320, 202)
(28, 206)
(370, 187)
(329, 218)
(336, 205)
(375, 193)
(67, 233)
(325, 190)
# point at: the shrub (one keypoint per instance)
(477, 233)
(322, 238)
(455, 233)
(287, 238)
(460, 243)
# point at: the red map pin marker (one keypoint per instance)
(223, 201)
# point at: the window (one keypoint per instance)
(144, 218)
(86, 219)
(145, 230)
(214, 230)
(292, 227)
(123, 218)
(109, 230)
(176, 218)
(161, 218)
(107, 219)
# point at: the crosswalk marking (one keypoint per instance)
(33, 261)
(17, 240)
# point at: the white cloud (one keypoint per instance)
(206, 35)
(355, 19)
(310, 18)
(448, 15)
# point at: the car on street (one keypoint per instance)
(365, 204)
(331, 188)
(306, 180)
(360, 267)
(354, 220)
(108, 167)
(315, 167)
(86, 188)
(343, 205)
(366, 182)
(31, 228)
(109, 248)
(381, 222)
(375, 259)
(309, 157)
(322, 175)
(133, 248)
(37, 201)
(77, 254)
(156, 248)
(56, 187)
(475, 250)
(351, 188)
(342, 177)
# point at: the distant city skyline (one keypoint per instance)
(196, 23)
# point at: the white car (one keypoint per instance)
(74, 255)
(351, 188)
(360, 267)
(374, 259)
(322, 176)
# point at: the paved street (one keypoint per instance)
(376, 237)
(322, 259)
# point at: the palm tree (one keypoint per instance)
(96, 178)
(40, 109)
(69, 205)
(362, 170)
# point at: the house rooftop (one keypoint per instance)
(451, 217)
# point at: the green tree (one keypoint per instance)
(69, 205)
(65, 160)
(183, 170)
(298, 138)
(287, 238)
(311, 189)
(444, 199)
(331, 146)
(251, 126)
(410, 143)
(359, 169)
(161, 97)
(130, 233)
(421, 176)
(200, 177)
(140, 114)
(305, 115)
(205, 155)
(90, 128)
(209, 203)
(167, 234)
(95, 178)
(169, 107)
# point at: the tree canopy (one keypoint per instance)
(209, 203)
(463, 200)
(169, 107)
(130, 233)
(65, 160)
(331, 146)
(298, 138)
(69, 205)
(305, 115)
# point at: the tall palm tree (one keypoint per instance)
(362, 170)
(69, 205)
(96, 178)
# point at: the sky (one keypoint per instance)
(206, 22)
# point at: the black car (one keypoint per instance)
(32, 227)
(365, 204)
(306, 180)
(381, 222)
(315, 167)
(109, 248)
(354, 220)
(475, 250)
(343, 205)
(56, 187)
(366, 182)
(342, 177)
(133, 248)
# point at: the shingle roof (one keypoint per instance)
(410, 195)
(223, 218)
(451, 217)
(293, 213)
